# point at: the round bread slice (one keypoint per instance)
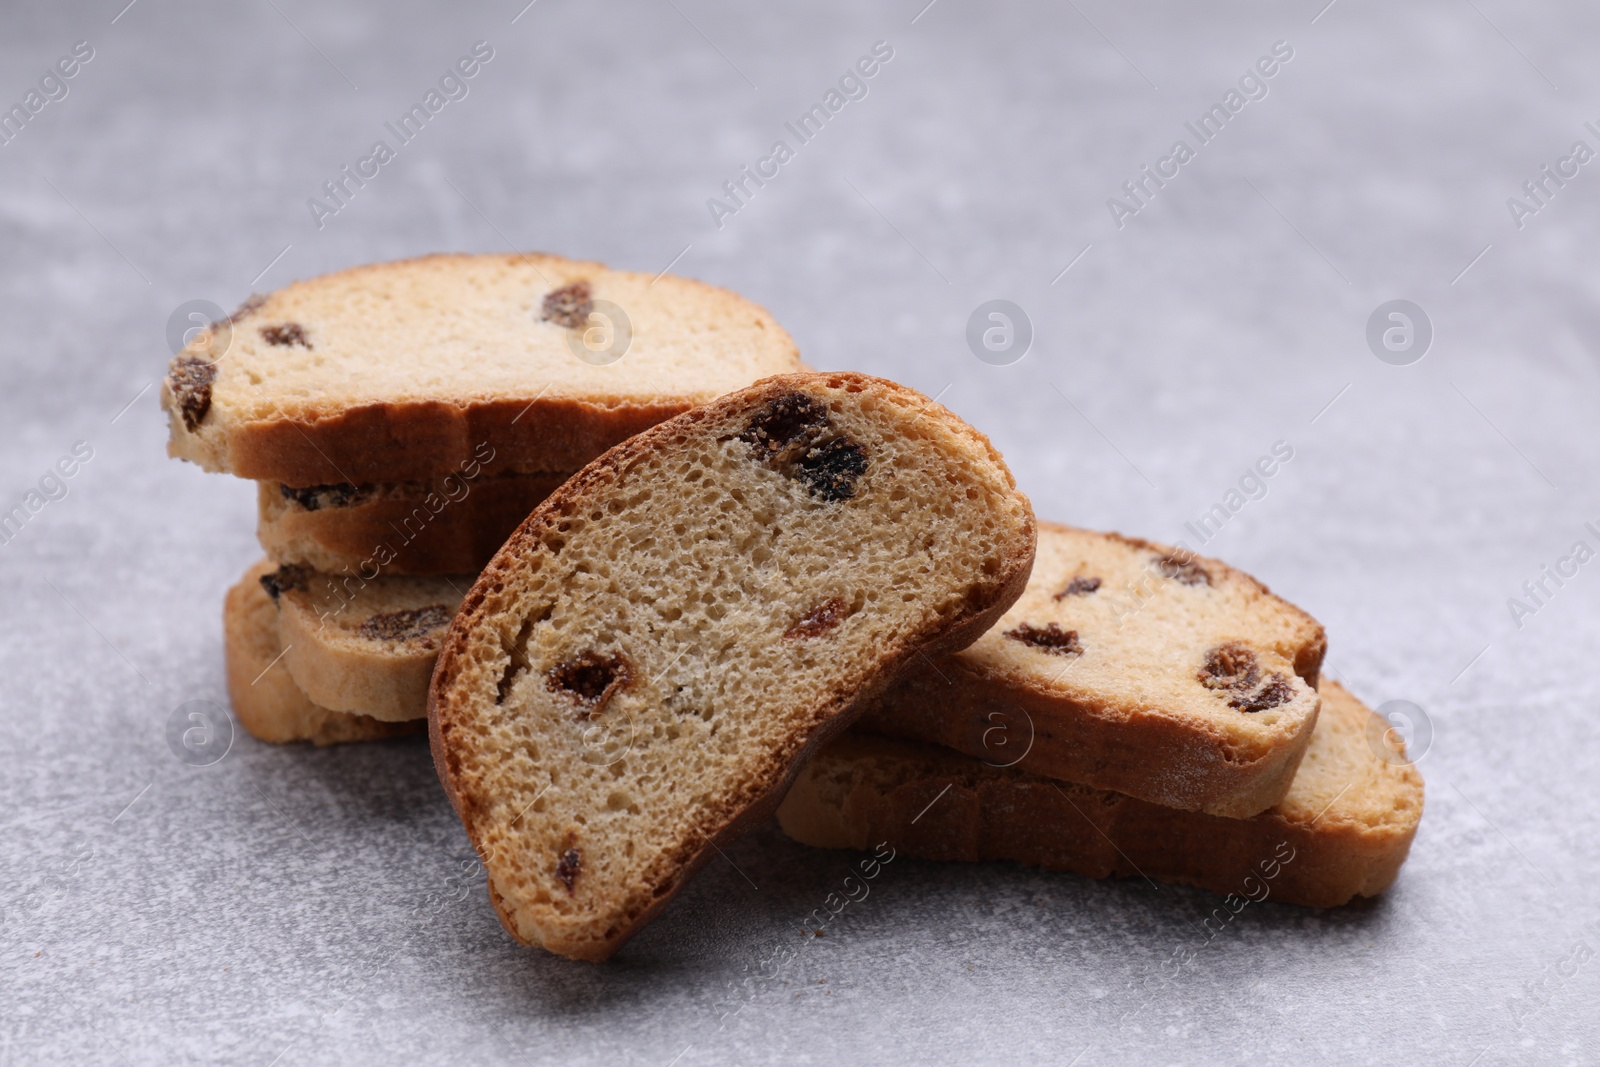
(1131, 666)
(408, 370)
(267, 702)
(365, 646)
(635, 677)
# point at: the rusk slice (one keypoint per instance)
(267, 702)
(636, 675)
(1130, 666)
(1342, 831)
(401, 371)
(452, 525)
(364, 646)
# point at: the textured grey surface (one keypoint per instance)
(296, 906)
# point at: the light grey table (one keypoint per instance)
(286, 905)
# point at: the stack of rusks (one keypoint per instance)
(646, 579)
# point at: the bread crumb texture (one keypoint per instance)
(647, 658)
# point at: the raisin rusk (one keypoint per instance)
(1131, 666)
(364, 646)
(402, 372)
(268, 703)
(449, 525)
(1342, 830)
(637, 674)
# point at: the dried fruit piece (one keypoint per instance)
(1230, 666)
(407, 624)
(1276, 691)
(286, 578)
(569, 305)
(591, 678)
(1182, 568)
(190, 379)
(1050, 638)
(1079, 587)
(316, 497)
(1235, 668)
(568, 866)
(830, 470)
(285, 334)
(793, 418)
(789, 434)
(822, 618)
(248, 307)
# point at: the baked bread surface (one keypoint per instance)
(636, 675)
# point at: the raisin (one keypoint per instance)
(591, 678)
(1079, 587)
(315, 497)
(568, 866)
(285, 334)
(1235, 668)
(1276, 691)
(250, 305)
(407, 624)
(1050, 638)
(830, 470)
(284, 579)
(789, 434)
(1181, 567)
(569, 305)
(190, 379)
(822, 618)
(788, 419)
(1230, 666)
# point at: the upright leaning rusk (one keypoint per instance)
(637, 675)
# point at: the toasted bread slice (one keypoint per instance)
(403, 371)
(636, 675)
(267, 702)
(1130, 666)
(364, 646)
(1342, 831)
(448, 526)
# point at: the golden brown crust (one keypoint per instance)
(267, 702)
(753, 800)
(1038, 717)
(1314, 850)
(431, 439)
(455, 528)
